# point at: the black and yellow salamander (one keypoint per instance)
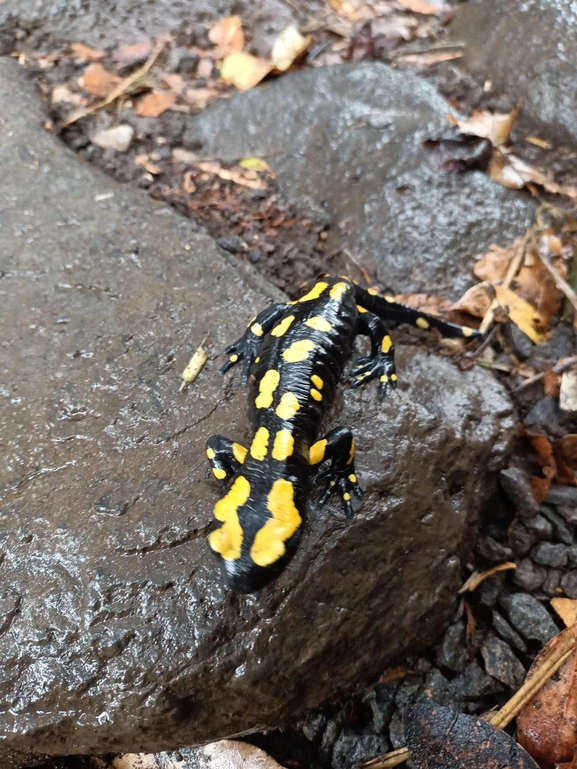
(295, 354)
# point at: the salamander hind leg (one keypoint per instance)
(381, 362)
(340, 478)
(225, 457)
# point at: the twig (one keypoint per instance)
(124, 87)
(559, 368)
(388, 759)
(560, 282)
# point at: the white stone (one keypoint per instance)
(117, 138)
(568, 391)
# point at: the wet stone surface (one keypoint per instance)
(117, 634)
(361, 166)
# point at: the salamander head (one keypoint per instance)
(258, 534)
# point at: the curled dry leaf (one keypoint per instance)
(288, 46)
(514, 173)
(244, 70)
(439, 738)
(489, 125)
(128, 55)
(494, 264)
(547, 725)
(99, 81)
(421, 6)
(566, 608)
(227, 35)
(155, 103)
(84, 53)
(476, 300)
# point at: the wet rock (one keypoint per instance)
(504, 629)
(545, 412)
(493, 551)
(562, 495)
(522, 345)
(501, 663)
(314, 727)
(474, 684)
(352, 748)
(496, 35)
(529, 617)
(118, 138)
(382, 702)
(114, 610)
(490, 589)
(529, 576)
(438, 687)
(361, 166)
(569, 584)
(572, 556)
(397, 732)
(452, 653)
(548, 554)
(541, 527)
(520, 538)
(515, 483)
(551, 584)
(562, 531)
(568, 513)
(232, 243)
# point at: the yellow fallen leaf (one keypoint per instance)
(155, 103)
(256, 164)
(566, 608)
(195, 366)
(489, 125)
(288, 46)
(494, 264)
(244, 70)
(227, 35)
(523, 315)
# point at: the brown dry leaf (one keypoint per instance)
(99, 81)
(200, 97)
(421, 6)
(84, 53)
(244, 70)
(552, 382)
(155, 103)
(566, 608)
(187, 184)
(227, 35)
(289, 46)
(494, 264)
(489, 125)
(393, 674)
(540, 486)
(546, 727)
(476, 300)
(536, 285)
(523, 315)
(145, 161)
(514, 173)
(567, 448)
(428, 59)
(133, 54)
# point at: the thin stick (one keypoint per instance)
(559, 368)
(560, 282)
(388, 759)
(121, 89)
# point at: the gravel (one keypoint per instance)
(529, 617)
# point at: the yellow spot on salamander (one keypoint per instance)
(467, 331)
(266, 389)
(318, 324)
(422, 323)
(268, 545)
(239, 452)
(317, 381)
(361, 309)
(384, 378)
(298, 351)
(281, 328)
(317, 452)
(346, 496)
(257, 360)
(352, 452)
(338, 290)
(259, 445)
(211, 453)
(353, 478)
(315, 291)
(390, 299)
(394, 377)
(283, 445)
(233, 358)
(372, 291)
(288, 406)
(316, 394)
(227, 540)
(219, 473)
(256, 329)
(386, 344)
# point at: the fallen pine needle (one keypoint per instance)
(124, 87)
(195, 366)
(507, 713)
(476, 578)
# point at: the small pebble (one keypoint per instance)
(520, 538)
(254, 256)
(506, 632)
(452, 653)
(552, 583)
(544, 413)
(474, 683)
(562, 495)
(501, 663)
(561, 531)
(572, 556)
(493, 551)
(569, 584)
(540, 526)
(568, 512)
(118, 138)
(517, 486)
(529, 617)
(232, 243)
(548, 554)
(529, 576)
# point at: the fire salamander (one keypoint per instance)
(295, 354)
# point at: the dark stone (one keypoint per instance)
(182, 60)
(382, 702)
(520, 538)
(330, 736)
(562, 495)
(562, 532)
(313, 727)
(548, 554)
(495, 34)
(452, 653)
(522, 345)
(351, 748)
(493, 551)
(551, 584)
(232, 243)
(528, 576)
(438, 687)
(501, 663)
(474, 684)
(505, 630)
(361, 166)
(408, 690)
(572, 556)
(254, 256)
(569, 584)
(490, 589)
(396, 731)
(543, 414)
(568, 513)
(515, 483)
(529, 617)
(540, 526)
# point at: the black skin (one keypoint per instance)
(326, 322)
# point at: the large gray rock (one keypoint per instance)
(527, 49)
(116, 633)
(347, 142)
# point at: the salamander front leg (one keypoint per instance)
(339, 447)
(225, 457)
(381, 362)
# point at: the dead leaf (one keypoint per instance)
(187, 184)
(84, 53)
(244, 70)
(489, 125)
(523, 315)
(540, 486)
(99, 81)
(133, 54)
(552, 382)
(476, 300)
(567, 448)
(439, 738)
(546, 726)
(512, 172)
(421, 6)
(155, 103)
(566, 608)
(227, 35)
(394, 674)
(200, 97)
(241, 177)
(494, 264)
(289, 46)
(195, 366)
